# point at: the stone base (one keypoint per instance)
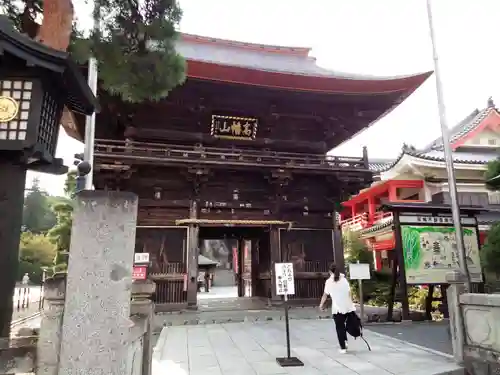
(289, 362)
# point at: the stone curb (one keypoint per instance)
(237, 320)
(189, 322)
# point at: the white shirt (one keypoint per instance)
(26, 279)
(339, 291)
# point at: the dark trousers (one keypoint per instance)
(340, 320)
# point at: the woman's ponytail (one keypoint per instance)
(335, 272)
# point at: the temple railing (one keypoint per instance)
(174, 154)
(364, 220)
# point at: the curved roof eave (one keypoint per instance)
(413, 153)
(212, 71)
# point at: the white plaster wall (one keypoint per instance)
(483, 139)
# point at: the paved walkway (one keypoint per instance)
(31, 294)
(251, 348)
(432, 335)
(26, 312)
(218, 292)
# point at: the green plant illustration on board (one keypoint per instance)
(414, 244)
(411, 247)
(430, 252)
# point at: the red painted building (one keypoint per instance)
(419, 175)
(361, 213)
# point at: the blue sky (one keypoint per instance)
(383, 37)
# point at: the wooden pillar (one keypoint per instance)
(393, 194)
(428, 302)
(338, 246)
(353, 210)
(278, 182)
(377, 257)
(403, 288)
(371, 210)
(392, 292)
(444, 302)
(192, 256)
(275, 258)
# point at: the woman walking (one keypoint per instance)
(337, 287)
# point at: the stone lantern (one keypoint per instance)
(36, 84)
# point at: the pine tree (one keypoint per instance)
(135, 47)
(37, 215)
(492, 175)
(490, 252)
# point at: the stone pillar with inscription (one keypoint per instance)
(49, 340)
(96, 322)
(192, 257)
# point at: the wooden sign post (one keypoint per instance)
(285, 286)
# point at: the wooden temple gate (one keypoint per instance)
(167, 247)
(238, 148)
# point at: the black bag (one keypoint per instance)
(355, 328)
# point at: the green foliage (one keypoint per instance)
(138, 37)
(493, 171)
(135, 37)
(35, 251)
(70, 184)
(355, 249)
(60, 234)
(23, 14)
(376, 290)
(417, 297)
(490, 252)
(47, 224)
(80, 47)
(37, 215)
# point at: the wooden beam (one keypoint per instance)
(206, 139)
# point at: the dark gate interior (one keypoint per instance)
(249, 247)
(311, 252)
(167, 252)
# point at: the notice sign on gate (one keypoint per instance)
(285, 282)
(139, 273)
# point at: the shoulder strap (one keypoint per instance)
(366, 342)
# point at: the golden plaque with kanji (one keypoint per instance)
(8, 109)
(231, 127)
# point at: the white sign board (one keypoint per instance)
(359, 271)
(285, 282)
(141, 258)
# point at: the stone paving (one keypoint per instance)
(251, 348)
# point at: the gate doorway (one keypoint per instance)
(232, 256)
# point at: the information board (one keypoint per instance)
(359, 271)
(285, 282)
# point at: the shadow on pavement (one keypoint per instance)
(432, 335)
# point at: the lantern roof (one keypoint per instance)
(79, 96)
